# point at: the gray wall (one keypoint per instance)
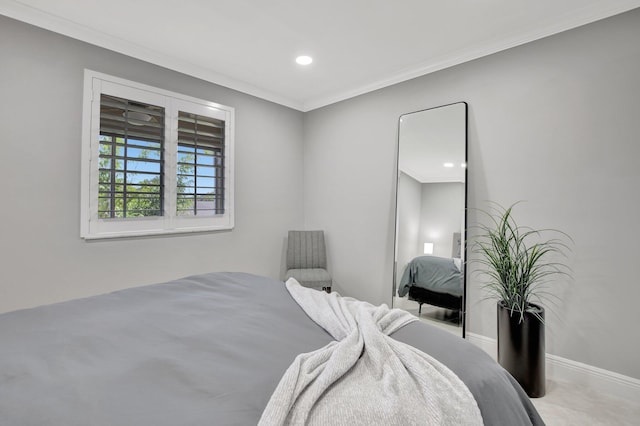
(42, 258)
(441, 214)
(555, 122)
(408, 226)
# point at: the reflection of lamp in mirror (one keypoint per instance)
(428, 248)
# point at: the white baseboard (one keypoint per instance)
(566, 370)
(485, 343)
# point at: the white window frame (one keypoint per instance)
(92, 227)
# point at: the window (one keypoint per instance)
(154, 162)
(200, 165)
(131, 143)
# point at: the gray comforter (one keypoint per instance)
(434, 273)
(203, 350)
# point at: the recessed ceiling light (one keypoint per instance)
(448, 164)
(304, 60)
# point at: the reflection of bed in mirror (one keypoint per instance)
(433, 280)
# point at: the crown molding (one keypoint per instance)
(604, 9)
(21, 12)
(16, 10)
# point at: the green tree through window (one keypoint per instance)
(131, 159)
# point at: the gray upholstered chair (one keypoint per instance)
(307, 259)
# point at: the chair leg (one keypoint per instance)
(419, 309)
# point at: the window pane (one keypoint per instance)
(205, 151)
(204, 181)
(131, 153)
(206, 171)
(106, 149)
(205, 160)
(146, 153)
(145, 144)
(186, 180)
(186, 190)
(143, 166)
(185, 205)
(200, 143)
(184, 169)
(105, 163)
(185, 158)
(104, 177)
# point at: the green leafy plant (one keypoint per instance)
(518, 261)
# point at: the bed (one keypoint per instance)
(207, 349)
(433, 280)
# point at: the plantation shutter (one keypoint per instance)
(131, 159)
(200, 165)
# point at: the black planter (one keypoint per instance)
(521, 349)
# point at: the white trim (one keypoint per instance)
(565, 370)
(487, 344)
(92, 227)
(585, 16)
(33, 16)
(85, 157)
(57, 24)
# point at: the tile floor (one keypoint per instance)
(567, 404)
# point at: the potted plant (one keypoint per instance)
(518, 263)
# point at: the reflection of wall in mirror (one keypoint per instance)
(408, 226)
(441, 210)
(427, 212)
(456, 250)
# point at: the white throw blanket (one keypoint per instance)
(365, 377)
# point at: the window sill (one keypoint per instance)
(156, 233)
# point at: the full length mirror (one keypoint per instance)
(430, 249)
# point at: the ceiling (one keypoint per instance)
(357, 45)
(430, 139)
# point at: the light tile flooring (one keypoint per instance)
(565, 404)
